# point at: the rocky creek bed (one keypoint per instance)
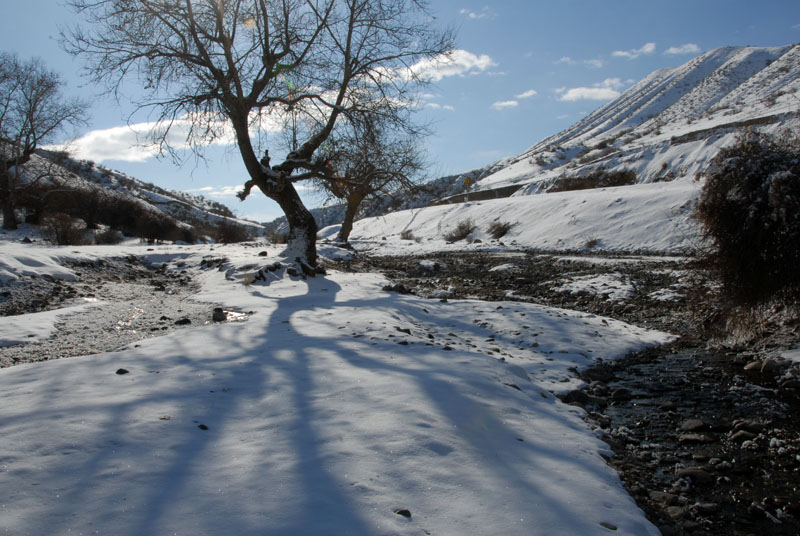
(128, 300)
(706, 439)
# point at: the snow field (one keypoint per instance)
(645, 217)
(335, 405)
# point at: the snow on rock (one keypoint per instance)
(334, 407)
(509, 267)
(610, 286)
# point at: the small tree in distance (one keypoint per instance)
(32, 112)
(230, 68)
(368, 158)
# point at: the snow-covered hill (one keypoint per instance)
(189, 210)
(664, 131)
(670, 124)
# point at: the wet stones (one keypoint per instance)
(584, 399)
(219, 315)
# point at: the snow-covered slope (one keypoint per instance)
(191, 210)
(671, 123)
(665, 129)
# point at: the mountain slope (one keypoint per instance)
(671, 123)
(52, 175)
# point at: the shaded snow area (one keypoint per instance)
(334, 407)
(37, 327)
(645, 217)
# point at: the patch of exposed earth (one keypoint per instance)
(126, 301)
(706, 439)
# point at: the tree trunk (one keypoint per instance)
(7, 195)
(302, 245)
(349, 216)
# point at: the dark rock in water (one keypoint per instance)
(262, 253)
(602, 374)
(183, 322)
(621, 394)
(122, 371)
(219, 315)
(663, 498)
(698, 475)
(692, 425)
(754, 427)
(668, 405)
(584, 399)
(741, 436)
(405, 512)
(695, 438)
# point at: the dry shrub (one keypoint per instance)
(63, 230)
(499, 229)
(749, 209)
(108, 237)
(230, 233)
(463, 229)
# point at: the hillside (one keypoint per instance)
(56, 182)
(670, 124)
(653, 142)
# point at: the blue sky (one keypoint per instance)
(525, 70)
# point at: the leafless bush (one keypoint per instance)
(750, 212)
(63, 230)
(109, 237)
(230, 233)
(406, 235)
(498, 229)
(463, 229)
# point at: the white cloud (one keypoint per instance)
(605, 90)
(648, 48)
(485, 13)
(502, 105)
(217, 191)
(437, 106)
(688, 48)
(589, 93)
(117, 143)
(566, 60)
(614, 83)
(129, 143)
(527, 94)
(458, 63)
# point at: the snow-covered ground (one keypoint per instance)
(334, 406)
(645, 217)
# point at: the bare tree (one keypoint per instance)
(231, 67)
(32, 112)
(370, 157)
